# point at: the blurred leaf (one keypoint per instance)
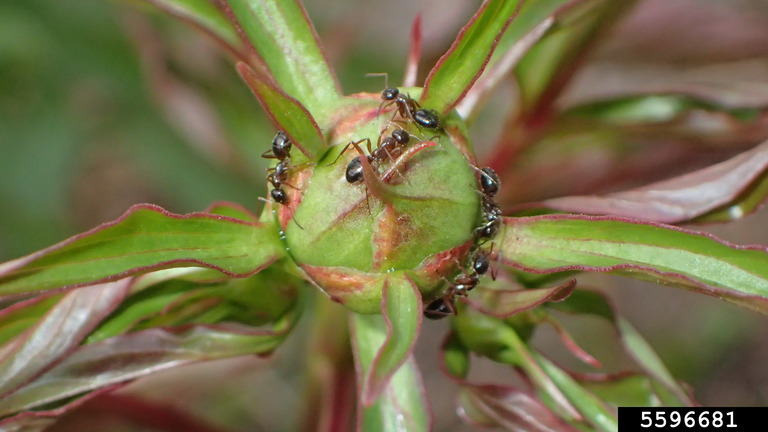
(20, 316)
(589, 405)
(549, 65)
(401, 310)
(207, 16)
(60, 331)
(499, 341)
(256, 300)
(646, 109)
(505, 303)
(695, 261)
(287, 113)
(286, 41)
(628, 389)
(455, 357)
(134, 355)
(685, 197)
(386, 345)
(414, 54)
(508, 408)
(145, 238)
(594, 303)
(456, 71)
(533, 20)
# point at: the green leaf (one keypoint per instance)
(696, 261)
(143, 239)
(204, 15)
(549, 65)
(645, 109)
(288, 114)
(507, 407)
(533, 20)
(387, 374)
(256, 300)
(739, 180)
(401, 311)
(62, 328)
(138, 354)
(661, 382)
(589, 405)
(456, 71)
(286, 41)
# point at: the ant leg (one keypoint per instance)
(346, 147)
(269, 155)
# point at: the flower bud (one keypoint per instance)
(413, 211)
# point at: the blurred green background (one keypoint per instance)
(104, 104)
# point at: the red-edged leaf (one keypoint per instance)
(694, 260)
(392, 395)
(414, 55)
(465, 60)
(59, 332)
(285, 39)
(508, 408)
(287, 113)
(143, 239)
(208, 17)
(134, 355)
(505, 303)
(402, 312)
(499, 70)
(679, 199)
(40, 420)
(595, 303)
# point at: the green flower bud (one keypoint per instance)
(413, 213)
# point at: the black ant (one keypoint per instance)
(281, 150)
(407, 107)
(390, 147)
(490, 185)
(445, 305)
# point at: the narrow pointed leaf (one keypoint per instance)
(505, 303)
(204, 15)
(682, 198)
(288, 114)
(414, 54)
(453, 75)
(256, 300)
(508, 408)
(22, 315)
(285, 39)
(590, 406)
(548, 66)
(534, 19)
(134, 355)
(60, 331)
(145, 238)
(402, 404)
(696, 261)
(401, 310)
(667, 388)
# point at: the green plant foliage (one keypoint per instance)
(393, 229)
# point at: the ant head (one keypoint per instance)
(426, 118)
(281, 145)
(401, 136)
(390, 94)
